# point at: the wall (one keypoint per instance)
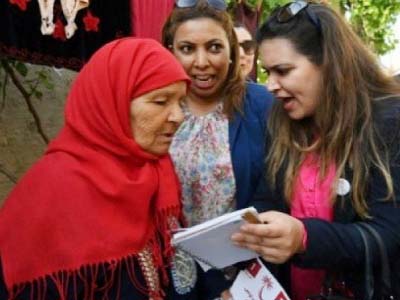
(20, 144)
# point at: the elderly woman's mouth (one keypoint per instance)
(168, 136)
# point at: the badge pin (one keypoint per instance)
(343, 187)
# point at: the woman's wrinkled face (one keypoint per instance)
(202, 47)
(293, 78)
(246, 59)
(155, 117)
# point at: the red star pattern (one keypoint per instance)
(22, 4)
(59, 32)
(268, 282)
(91, 22)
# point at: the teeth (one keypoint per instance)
(203, 77)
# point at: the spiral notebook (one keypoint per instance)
(210, 243)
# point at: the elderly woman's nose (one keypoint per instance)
(176, 114)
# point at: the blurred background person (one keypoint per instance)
(247, 50)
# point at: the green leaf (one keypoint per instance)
(21, 68)
(38, 94)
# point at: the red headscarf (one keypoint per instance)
(95, 197)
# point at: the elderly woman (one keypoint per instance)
(91, 219)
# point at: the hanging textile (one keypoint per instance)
(62, 33)
(247, 15)
(149, 17)
(70, 10)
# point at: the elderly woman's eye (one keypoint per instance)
(160, 101)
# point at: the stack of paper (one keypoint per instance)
(210, 242)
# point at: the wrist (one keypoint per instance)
(303, 240)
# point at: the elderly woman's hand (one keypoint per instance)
(276, 240)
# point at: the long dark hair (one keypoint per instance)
(351, 81)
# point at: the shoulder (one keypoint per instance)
(387, 107)
(257, 97)
(257, 91)
(386, 115)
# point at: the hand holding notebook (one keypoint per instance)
(210, 242)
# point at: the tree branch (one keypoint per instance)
(27, 98)
(3, 92)
(8, 174)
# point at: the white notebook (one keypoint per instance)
(210, 242)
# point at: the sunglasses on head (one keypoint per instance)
(217, 4)
(248, 46)
(290, 10)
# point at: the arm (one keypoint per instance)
(330, 245)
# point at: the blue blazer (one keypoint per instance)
(247, 138)
(247, 134)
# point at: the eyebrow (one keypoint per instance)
(167, 92)
(277, 66)
(207, 42)
(162, 93)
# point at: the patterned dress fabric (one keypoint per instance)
(200, 152)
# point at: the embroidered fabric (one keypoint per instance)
(183, 272)
(21, 37)
(69, 7)
(201, 155)
(149, 270)
(46, 12)
(183, 267)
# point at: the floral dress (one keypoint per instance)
(201, 155)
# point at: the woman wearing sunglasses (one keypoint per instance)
(247, 49)
(218, 151)
(334, 158)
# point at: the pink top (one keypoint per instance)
(310, 200)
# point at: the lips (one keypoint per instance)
(203, 81)
(168, 134)
(288, 102)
